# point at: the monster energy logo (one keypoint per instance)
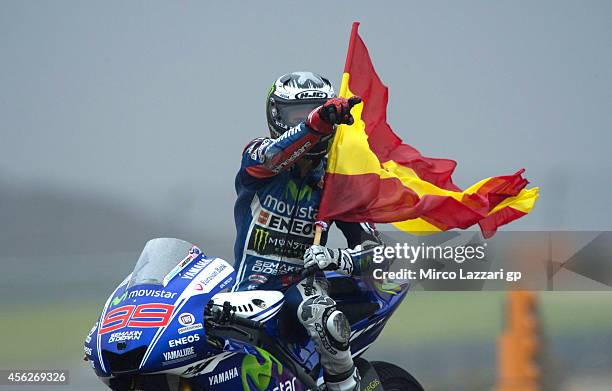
(297, 194)
(260, 239)
(259, 373)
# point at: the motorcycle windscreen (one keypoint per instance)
(154, 321)
(158, 258)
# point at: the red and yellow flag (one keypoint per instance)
(373, 177)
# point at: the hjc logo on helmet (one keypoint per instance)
(311, 94)
(292, 97)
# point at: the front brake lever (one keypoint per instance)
(221, 319)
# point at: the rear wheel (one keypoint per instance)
(394, 378)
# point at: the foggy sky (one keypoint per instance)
(146, 106)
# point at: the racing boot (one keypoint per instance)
(349, 381)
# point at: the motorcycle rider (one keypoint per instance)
(279, 188)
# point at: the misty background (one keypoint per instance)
(124, 121)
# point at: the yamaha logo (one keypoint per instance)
(311, 94)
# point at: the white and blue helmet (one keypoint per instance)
(292, 97)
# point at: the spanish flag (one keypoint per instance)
(372, 176)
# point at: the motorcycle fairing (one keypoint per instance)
(161, 306)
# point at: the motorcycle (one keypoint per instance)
(168, 326)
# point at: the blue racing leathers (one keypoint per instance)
(276, 210)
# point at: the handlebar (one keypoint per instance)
(253, 324)
(225, 315)
(309, 272)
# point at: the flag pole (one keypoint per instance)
(320, 225)
(349, 59)
(318, 232)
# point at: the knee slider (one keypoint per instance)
(338, 329)
(312, 310)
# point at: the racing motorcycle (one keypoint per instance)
(168, 326)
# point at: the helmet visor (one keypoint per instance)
(292, 114)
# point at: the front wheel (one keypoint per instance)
(394, 378)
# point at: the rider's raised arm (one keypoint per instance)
(266, 157)
(362, 239)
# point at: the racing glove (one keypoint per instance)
(334, 112)
(325, 258)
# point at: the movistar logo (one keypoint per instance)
(292, 190)
(258, 373)
(260, 239)
(289, 208)
(119, 299)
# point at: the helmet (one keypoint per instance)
(292, 97)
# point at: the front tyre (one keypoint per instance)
(394, 378)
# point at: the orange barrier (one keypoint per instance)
(519, 344)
